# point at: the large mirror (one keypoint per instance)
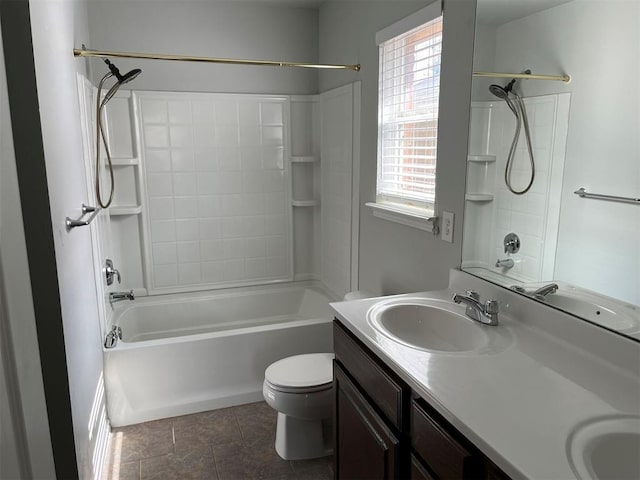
(571, 237)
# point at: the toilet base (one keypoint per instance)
(299, 439)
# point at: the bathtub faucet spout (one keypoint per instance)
(119, 296)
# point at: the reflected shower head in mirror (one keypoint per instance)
(516, 105)
(100, 103)
(503, 94)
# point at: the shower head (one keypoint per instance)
(127, 77)
(121, 79)
(503, 94)
(500, 92)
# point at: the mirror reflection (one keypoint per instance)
(553, 173)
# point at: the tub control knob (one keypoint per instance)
(111, 272)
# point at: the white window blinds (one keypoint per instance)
(409, 89)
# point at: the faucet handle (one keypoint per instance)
(491, 307)
(473, 294)
(111, 272)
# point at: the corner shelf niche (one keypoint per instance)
(125, 210)
(304, 159)
(305, 203)
(480, 178)
(479, 197)
(481, 158)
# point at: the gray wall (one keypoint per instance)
(210, 29)
(58, 26)
(395, 258)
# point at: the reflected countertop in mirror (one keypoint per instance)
(534, 143)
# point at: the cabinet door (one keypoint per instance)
(365, 448)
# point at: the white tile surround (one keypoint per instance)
(531, 216)
(336, 189)
(217, 188)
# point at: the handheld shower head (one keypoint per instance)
(499, 91)
(100, 134)
(129, 76)
(122, 79)
(502, 92)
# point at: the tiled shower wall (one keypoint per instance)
(534, 215)
(217, 205)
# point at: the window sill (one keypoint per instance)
(420, 219)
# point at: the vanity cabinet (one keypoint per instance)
(384, 430)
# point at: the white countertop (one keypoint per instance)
(520, 402)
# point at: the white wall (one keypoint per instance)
(24, 414)
(58, 26)
(396, 258)
(598, 44)
(213, 29)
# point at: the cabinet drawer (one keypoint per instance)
(445, 455)
(385, 389)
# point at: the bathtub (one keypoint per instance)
(187, 353)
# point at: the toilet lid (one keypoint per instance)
(301, 370)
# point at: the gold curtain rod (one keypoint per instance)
(529, 76)
(77, 52)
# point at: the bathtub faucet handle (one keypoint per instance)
(111, 272)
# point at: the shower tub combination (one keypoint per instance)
(186, 353)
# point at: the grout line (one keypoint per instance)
(215, 463)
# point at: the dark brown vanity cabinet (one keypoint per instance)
(383, 430)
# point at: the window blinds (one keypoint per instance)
(409, 88)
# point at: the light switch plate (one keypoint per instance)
(447, 227)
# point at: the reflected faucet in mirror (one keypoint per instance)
(506, 263)
(538, 293)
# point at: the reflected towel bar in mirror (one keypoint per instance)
(71, 223)
(582, 193)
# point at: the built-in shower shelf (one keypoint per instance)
(125, 210)
(481, 158)
(479, 197)
(305, 203)
(124, 162)
(304, 159)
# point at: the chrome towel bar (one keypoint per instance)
(582, 193)
(71, 223)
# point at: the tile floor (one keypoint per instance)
(233, 443)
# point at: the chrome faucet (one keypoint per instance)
(540, 293)
(546, 290)
(486, 313)
(507, 263)
(119, 296)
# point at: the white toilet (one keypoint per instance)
(300, 388)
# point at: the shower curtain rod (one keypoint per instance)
(78, 52)
(529, 76)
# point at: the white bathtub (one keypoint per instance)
(188, 353)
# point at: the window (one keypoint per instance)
(409, 89)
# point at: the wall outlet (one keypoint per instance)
(447, 227)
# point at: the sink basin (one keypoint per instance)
(596, 308)
(607, 449)
(430, 325)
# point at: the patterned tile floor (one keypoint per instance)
(234, 443)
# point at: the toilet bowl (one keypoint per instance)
(300, 389)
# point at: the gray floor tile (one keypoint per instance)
(195, 464)
(122, 471)
(143, 440)
(239, 461)
(215, 430)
